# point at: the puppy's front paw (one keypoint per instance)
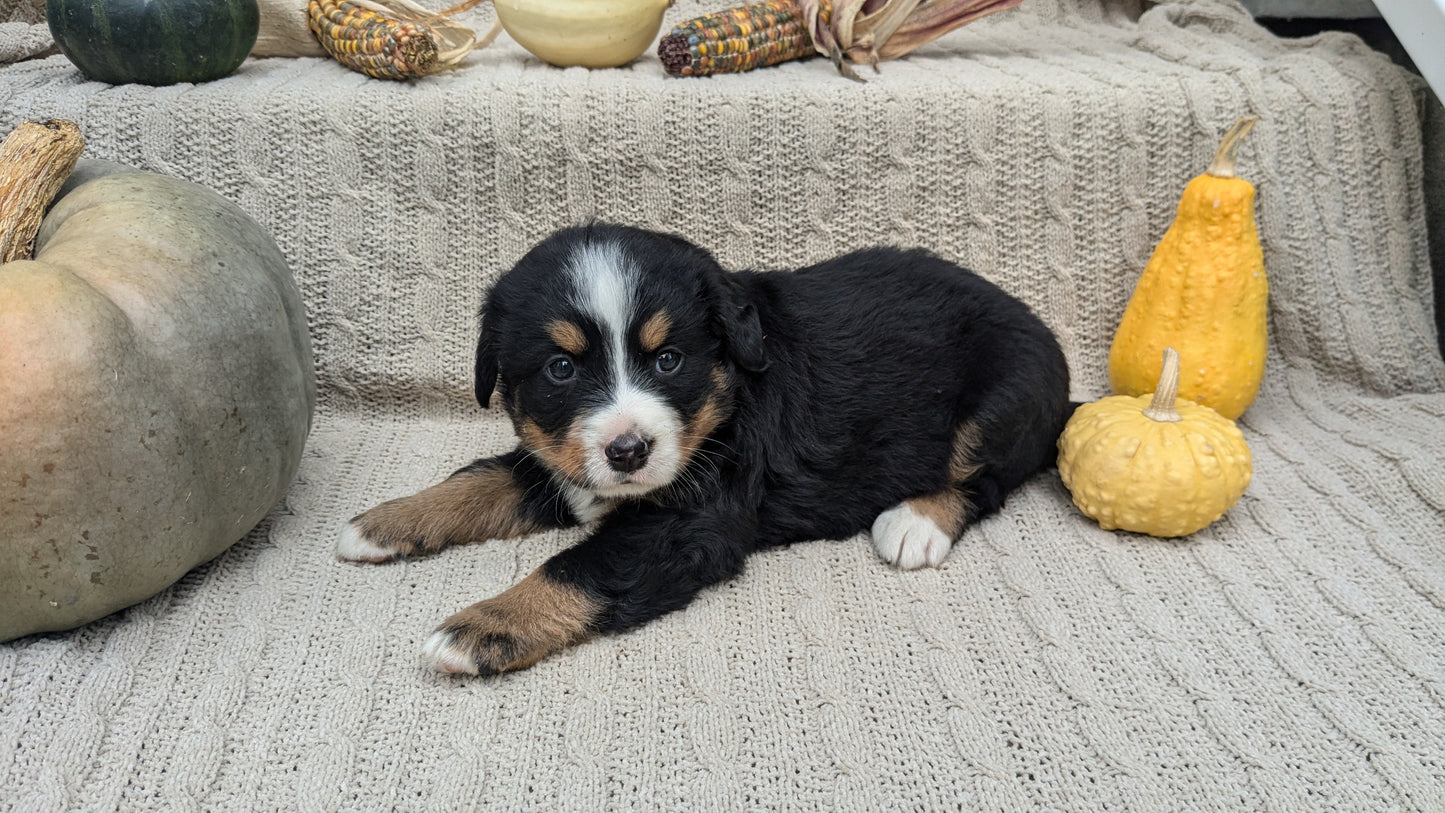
(481, 501)
(354, 546)
(908, 539)
(481, 649)
(514, 630)
(444, 652)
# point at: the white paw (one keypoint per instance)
(440, 653)
(909, 540)
(353, 547)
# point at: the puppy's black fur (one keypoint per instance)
(807, 404)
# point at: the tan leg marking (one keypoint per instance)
(469, 506)
(946, 508)
(963, 464)
(568, 336)
(532, 619)
(654, 331)
(921, 530)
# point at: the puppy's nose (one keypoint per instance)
(626, 453)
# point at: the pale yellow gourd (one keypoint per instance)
(589, 33)
(1203, 292)
(1151, 464)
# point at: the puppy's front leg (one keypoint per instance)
(493, 498)
(641, 563)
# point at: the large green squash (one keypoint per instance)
(154, 42)
(156, 389)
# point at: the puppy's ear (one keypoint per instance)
(486, 371)
(734, 314)
(738, 318)
(744, 335)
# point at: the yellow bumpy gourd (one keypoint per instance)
(1202, 292)
(1153, 465)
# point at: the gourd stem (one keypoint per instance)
(35, 160)
(1161, 406)
(1223, 164)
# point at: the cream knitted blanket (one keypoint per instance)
(1287, 658)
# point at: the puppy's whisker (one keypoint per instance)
(708, 454)
(532, 488)
(537, 452)
(707, 438)
(687, 484)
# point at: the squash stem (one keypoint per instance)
(35, 160)
(1223, 164)
(1161, 406)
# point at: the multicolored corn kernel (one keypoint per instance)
(371, 43)
(737, 39)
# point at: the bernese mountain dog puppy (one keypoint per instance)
(694, 415)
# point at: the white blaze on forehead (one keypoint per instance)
(604, 284)
(604, 288)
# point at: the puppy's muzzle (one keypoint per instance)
(627, 453)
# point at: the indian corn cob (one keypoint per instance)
(737, 39)
(372, 43)
(861, 31)
(394, 39)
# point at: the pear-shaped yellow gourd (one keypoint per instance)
(1153, 465)
(1204, 293)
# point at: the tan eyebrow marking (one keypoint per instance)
(567, 335)
(654, 331)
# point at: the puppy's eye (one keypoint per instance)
(668, 361)
(560, 369)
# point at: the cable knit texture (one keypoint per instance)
(1287, 658)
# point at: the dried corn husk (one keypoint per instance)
(866, 31)
(394, 39)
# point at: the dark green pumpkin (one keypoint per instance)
(154, 42)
